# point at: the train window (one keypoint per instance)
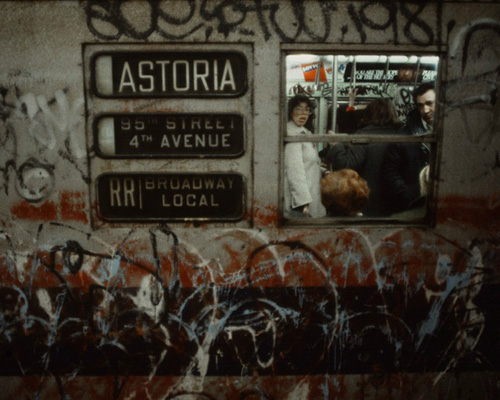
(359, 138)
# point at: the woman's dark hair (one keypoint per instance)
(295, 101)
(381, 112)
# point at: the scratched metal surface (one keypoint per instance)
(246, 310)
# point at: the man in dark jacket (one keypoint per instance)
(379, 118)
(404, 162)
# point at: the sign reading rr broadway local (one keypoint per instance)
(170, 135)
(169, 74)
(170, 196)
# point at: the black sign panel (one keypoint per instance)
(171, 196)
(169, 74)
(170, 135)
(397, 72)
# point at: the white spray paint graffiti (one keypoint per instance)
(221, 321)
(37, 132)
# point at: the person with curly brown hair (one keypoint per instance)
(344, 193)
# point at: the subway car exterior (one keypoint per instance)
(148, 247)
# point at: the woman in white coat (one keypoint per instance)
(302, 163)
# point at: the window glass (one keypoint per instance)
(359, 138)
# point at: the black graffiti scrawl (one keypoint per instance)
(308, 20)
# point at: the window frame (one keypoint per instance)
(434, 139)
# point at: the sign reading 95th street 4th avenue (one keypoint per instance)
(171, 196)
(169, 74)
(170, 135)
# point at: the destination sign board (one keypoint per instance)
(170, 135)
(170, 196)
(169, 74)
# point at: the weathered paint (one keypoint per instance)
(247, 310)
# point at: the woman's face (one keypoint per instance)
(300, 114)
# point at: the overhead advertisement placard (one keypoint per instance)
(143, 197)
(393, 72)
(170, 135)
(169, 74)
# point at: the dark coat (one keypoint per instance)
(401, 169)
(414, 124)
(366, 160)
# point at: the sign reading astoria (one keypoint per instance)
(170, 196)
(169, 74)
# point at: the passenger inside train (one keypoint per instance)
(379, 118)
(302, 162)
(369, 114)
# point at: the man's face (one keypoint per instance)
(426, 104)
